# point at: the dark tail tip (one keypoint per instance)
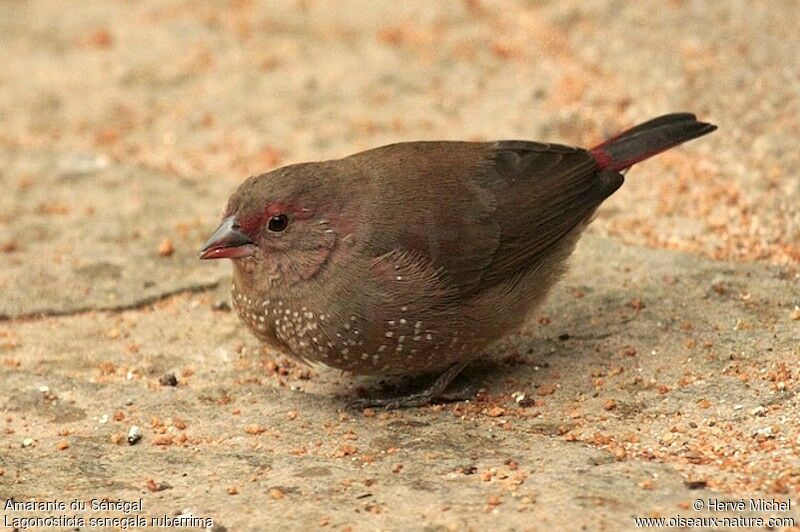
(647, 139)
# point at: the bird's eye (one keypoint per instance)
(278, 223)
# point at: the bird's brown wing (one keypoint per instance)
(481, 213)
(543, 192)
(421, 203)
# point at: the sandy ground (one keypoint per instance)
(663, 370)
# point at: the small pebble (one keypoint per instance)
(168, 379)
(165, 249)
(134, 435)
(154, 486)
(222, 305)
(647, 484)
(695, 484)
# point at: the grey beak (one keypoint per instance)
(227, 242)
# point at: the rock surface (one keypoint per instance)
(648, 370)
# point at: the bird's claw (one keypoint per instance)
(393, 403)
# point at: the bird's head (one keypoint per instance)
(284, 224)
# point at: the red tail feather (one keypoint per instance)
(648, 139)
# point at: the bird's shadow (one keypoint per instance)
(484, 375)
(514, 363)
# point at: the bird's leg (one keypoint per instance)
(428, 395)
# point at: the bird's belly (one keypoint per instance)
(374, 347)
(400, 346)
(378, 348)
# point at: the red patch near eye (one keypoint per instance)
(277, 207)
(251, 224)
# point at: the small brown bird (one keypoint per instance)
(414, 257)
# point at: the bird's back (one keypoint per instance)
(482, 212)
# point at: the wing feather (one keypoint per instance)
(481, 213)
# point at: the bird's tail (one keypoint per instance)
(647, 139)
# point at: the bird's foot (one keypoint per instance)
(435, 392)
